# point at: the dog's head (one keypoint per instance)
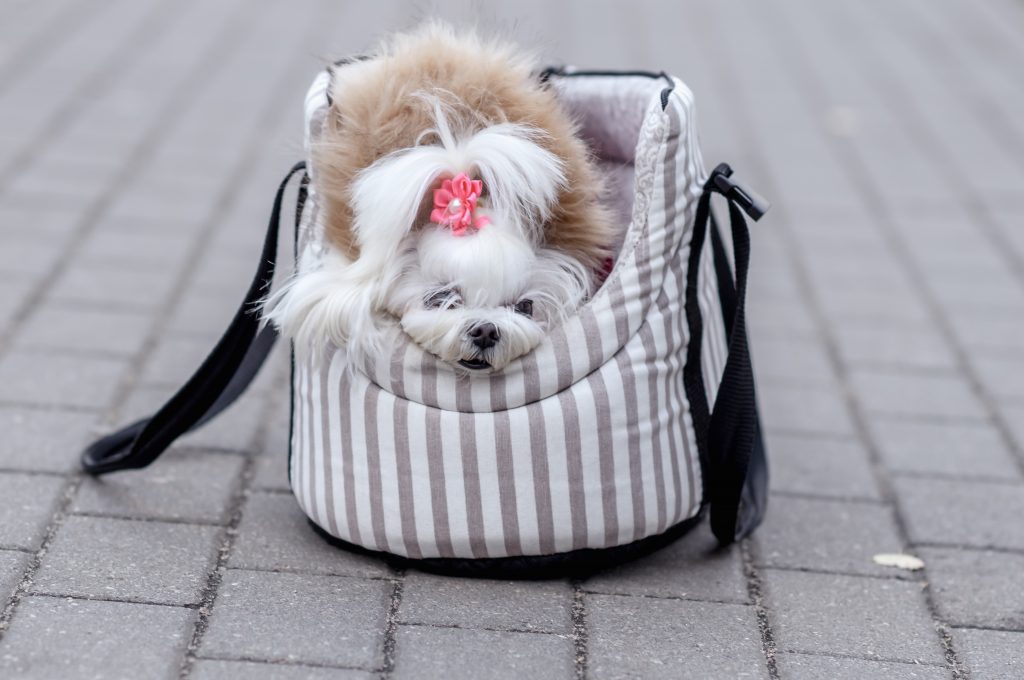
(482, 293)
(436, 106)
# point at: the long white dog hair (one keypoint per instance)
(439, 286)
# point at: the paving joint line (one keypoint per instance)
(283, 662)
(580, 632)
(884, 659)
(489, 629)
(755, 592)
(906, 576)
(100, 598)
(391, 623)
(672, 598)
(149, 519)
(309, 572)
(34, 563)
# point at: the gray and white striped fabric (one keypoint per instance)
(587, 442)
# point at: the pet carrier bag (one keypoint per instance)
(614, 436)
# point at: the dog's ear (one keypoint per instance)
(336, 304)
(388, 196)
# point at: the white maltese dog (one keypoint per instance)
(457, 200)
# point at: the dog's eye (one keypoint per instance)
(524, 307)
(446, 298)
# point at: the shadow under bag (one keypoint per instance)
(614, 436)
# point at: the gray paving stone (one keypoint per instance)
(693, 567)
(272, 461)
(820, 465)
(57, 380)
(815, 667)
(992, 654)
(202, 314)
(12, 566)
(534, 606)
(130, 560)
(780, 319)
(211, 669)
(27, 258)
(310, 618)
(472, 654)
(989, 334)
(821, 535)
(1013, 416)
(976, 587)
(41, 440)
(48, 222)
(92, 330)
(974, 514)
(29, 502)
(921, 348)
(843, 304)
(64, 638)
(232, 430)
(790, 360)
(851, 615)
(194, 486)
(652, 638)
(173, 360)
(803, 409)
(1002, 377)
(950, 448)
(136, 289)
(13, 291)
(134, 248)
(275, 535)
(895, 394)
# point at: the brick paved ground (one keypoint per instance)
(139, 146)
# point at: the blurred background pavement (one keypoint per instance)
(140, 144)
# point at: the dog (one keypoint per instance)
(457, 199)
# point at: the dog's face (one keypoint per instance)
(480, 295)
(477, 297)
(480, 300)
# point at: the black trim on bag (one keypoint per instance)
(575, 563)
(561, 72)
(737, 490)
(723, 272)
(300, 205)
(693, 373)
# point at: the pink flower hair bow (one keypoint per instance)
(455, 204)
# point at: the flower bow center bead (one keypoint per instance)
(455, 204)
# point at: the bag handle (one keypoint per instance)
(737, 482)
(221, 378)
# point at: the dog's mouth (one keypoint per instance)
(474, 364)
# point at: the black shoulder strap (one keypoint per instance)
(737, 480)
(221, 378)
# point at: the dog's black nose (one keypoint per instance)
(484, 335)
